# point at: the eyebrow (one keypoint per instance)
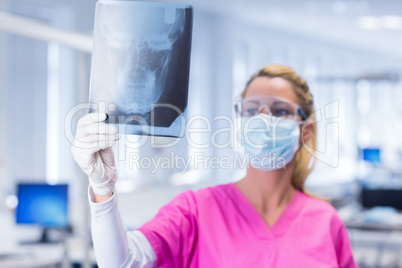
(278, 102)
(253, 101)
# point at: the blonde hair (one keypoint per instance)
(303, 157)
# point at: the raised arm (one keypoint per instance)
(113, 245)
(92, 150)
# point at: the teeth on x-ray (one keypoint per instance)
(140, 63)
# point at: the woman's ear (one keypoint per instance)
(306, 131)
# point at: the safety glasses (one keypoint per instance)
(274, 106)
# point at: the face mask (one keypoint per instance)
(270, 142)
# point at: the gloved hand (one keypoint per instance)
(92, 150)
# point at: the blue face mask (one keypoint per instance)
(270, 142)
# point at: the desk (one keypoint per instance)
(37, 255)
(46, 255)
(33, 256)
(375, 244)
(367, 226)
(29, 262)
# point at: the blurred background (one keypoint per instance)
(348, 51)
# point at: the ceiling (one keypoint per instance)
(333, 20)
(359, 23)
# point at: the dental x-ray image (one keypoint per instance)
(140, 66)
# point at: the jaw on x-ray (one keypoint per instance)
(140, 65)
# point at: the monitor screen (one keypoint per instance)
(42, 204)
(371, 155)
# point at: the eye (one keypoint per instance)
(250, 111)
(282, 113)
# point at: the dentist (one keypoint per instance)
(267, 219)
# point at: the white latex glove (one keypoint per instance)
(92, 150)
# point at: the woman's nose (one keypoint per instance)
(264, 109)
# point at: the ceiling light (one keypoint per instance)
(368, 23)
(391, 22)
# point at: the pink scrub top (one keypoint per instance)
(219, 227)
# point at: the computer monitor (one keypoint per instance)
(372, 155)
(381, 197)
(42, 204)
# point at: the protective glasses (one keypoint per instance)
(274, 106)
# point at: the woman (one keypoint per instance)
(267, 219)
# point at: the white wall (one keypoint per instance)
(5, 179)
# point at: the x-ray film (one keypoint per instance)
(140, 66)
